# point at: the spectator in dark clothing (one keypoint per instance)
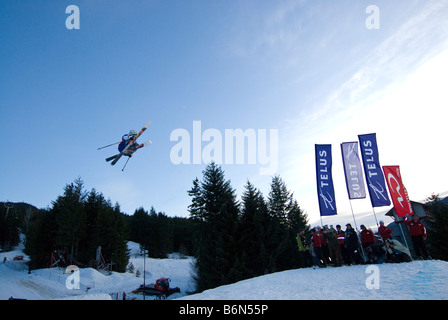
(375, 254)
(351, 242)
(333, 247)
(394, 254)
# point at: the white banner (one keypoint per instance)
(353, 170)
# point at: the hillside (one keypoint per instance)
(418, 280)
(45, 284)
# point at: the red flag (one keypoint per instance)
(398, 192)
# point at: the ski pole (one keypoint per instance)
(109, 145)
(125, 164)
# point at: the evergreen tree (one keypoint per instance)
(68, 210)
(287, 220)
(93, 204)
(182, 235)
(438, 228)
(120, 251)
(279, 200)
(160, 234)
(40, 239)
(255, 232)
(138, 227)
(9, 226)
(297, 220)
(278, 207)
(79, 222)
(215, 208)
(196, 208)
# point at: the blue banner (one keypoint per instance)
(373, 172)
(325, 189)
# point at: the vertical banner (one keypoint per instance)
(325, 189)
(374, 174)
(353, 171)
(398, 192)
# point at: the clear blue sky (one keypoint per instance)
(311, 70)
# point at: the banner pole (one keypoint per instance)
(357, 235)
(374, 214)
(353, 214)
(404, 238)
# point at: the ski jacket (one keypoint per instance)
(416, 228)
(316, 240)
(331, 239)
(123, 143)
(367, 236)
(351, 238)
(302, 243)
(341, 237)
(385, 232)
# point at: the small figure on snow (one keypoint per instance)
(341, 239)
(304, 249)
(385, 232)
(396, 252)
(333, 246)
(367, 237)
(375, 254)
(351, 243)
(418, 235)
(316, 248)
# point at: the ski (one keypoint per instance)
(131, 142)
(112, 158)
(147, 143)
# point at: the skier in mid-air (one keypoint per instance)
(128, 145)
(130, 138)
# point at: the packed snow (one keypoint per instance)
(54, 283)
(417, 280)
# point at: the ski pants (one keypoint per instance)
(419, 246)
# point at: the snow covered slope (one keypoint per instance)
(43, 284)
(416, 280)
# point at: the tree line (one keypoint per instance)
(242, 239)
(80, 221)
(77, 223)
(159, 234)
(231, 239)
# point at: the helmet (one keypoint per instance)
(132, 133)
